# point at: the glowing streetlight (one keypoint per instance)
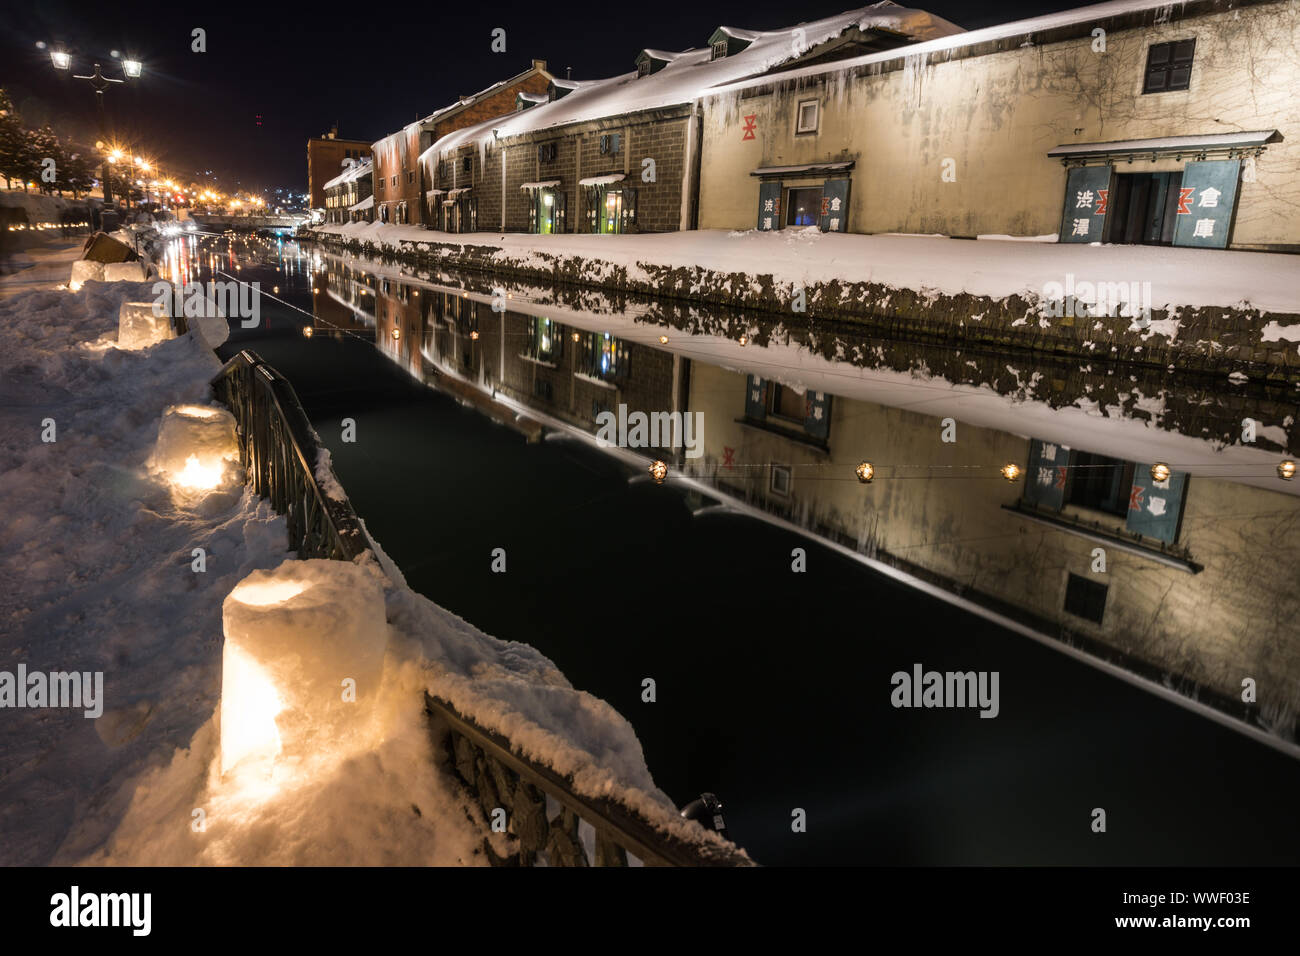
(132, 68)
(61, 60)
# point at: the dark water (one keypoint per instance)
(771, 687)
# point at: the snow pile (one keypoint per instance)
(100, 566)
(139, 324)
(928, 265)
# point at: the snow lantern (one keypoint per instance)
(141, 324)
(124, 272)
(302, 661)
(194, 444)
(85, 270)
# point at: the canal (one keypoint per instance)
(772, 687)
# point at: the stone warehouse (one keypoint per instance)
(1125, 122)
(624, 154)
(400, 190)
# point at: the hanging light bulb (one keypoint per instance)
(658, 471)
(1160, 472)
(865, 471)
(1286, 469)
(1011, 471)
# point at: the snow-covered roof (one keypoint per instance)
(738, 33)
(453, 194)
(430, 193)
(802, 168)
(664, 55)
(692, 73)
(942, 43)
(544, 184)
(1167, 144)
(367, 203)
(602, 180)
(352, 173)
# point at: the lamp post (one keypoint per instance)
(62, 60)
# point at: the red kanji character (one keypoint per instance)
(1060, 477)
(1135, 498)
(1101, 202)
(1185, 200)
(728, 457)
(750, 120)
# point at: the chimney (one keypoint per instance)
(539, 65)
(568, 72)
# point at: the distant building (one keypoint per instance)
(623, 154)
(349, 195)
(400, 190)
(325, 156)
(1139, 122)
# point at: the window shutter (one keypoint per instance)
(629, 207)
(817, 420)
(615, 142)
(1087, 197)
(769, 206)
(1048, 476)
(1156, 509)
(755, 398)
(835, 206)
(1205, 203)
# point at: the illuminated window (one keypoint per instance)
(545, 340)
(603, 356)
(803, 206)
(719, 50)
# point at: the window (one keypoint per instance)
(719, 50)
(1085, 599)
(804, 206)
(545, 340)
(780, 480)
(467, 164)
(1169, 66)
(784, 402)
(546, 152)
(603, 356)
(410, 176)
(643, 68)
(394, 180)
(807, 117)
(1100, 483)
(611, 143)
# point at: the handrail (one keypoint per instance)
(619, 829)
(279, 449)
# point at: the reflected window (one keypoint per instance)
(1100, 483)
(603, 356)
(785, 402)
(544, 340)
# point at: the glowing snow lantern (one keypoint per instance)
(85, 270)
(1011, 471)
(1160, 472)
(194, 444)
(141, 324)
(659, 471)
(865, 471)
(301, 664)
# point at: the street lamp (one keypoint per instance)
(132, 68)
(61, 60)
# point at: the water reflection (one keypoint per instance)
(1188, 580)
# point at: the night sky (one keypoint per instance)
(276, 74)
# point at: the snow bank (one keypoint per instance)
(1178, 277)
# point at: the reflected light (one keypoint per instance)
(1160, 471)
(865, 472)
(659, 471)
(262, 593)
(1286, 469)
(1011, 471)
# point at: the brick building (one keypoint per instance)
(325, 157)
(399, 187)
(623, 154)
(348, 196)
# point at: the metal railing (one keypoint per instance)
(278, 448)
(500, 778)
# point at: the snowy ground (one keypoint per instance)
(993, 267)
(97, 556)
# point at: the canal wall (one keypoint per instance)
(1235, 316)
